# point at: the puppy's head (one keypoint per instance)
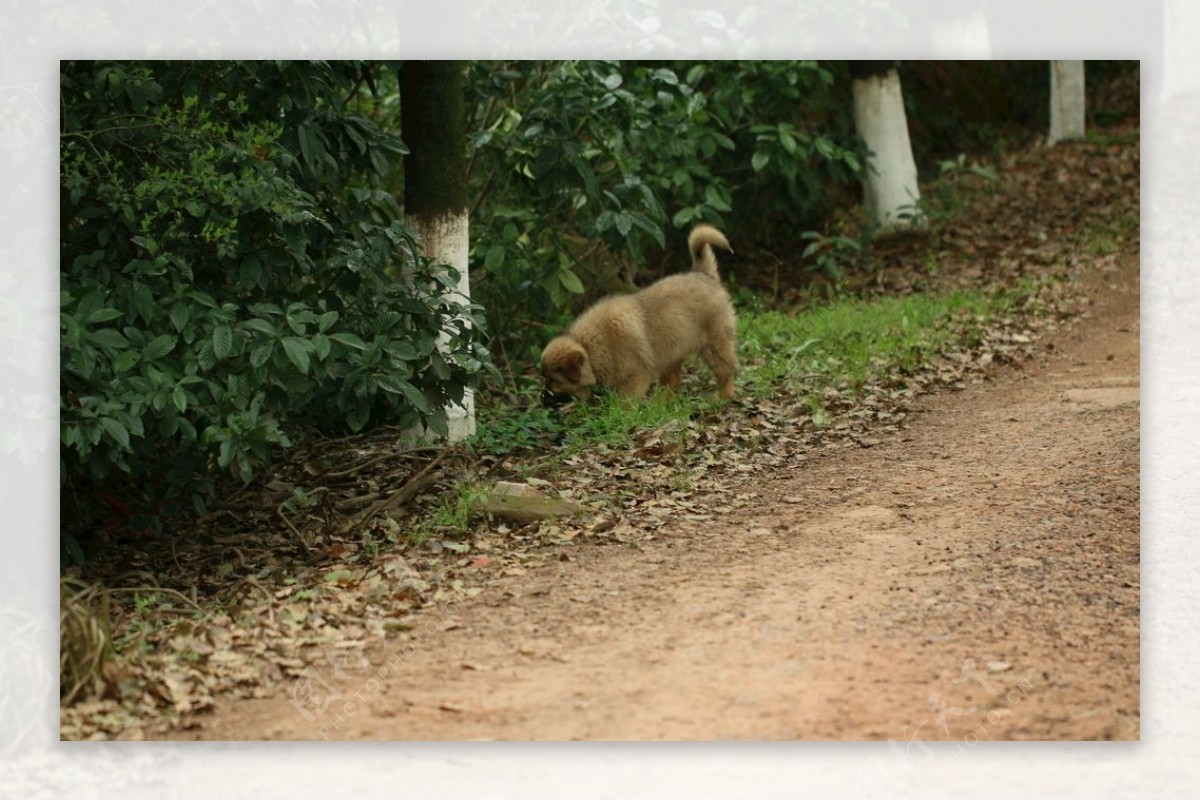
(566, 371)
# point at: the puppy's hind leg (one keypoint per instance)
(721, 357)
(723, 371)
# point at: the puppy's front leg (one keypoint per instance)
(634, 387)
(673, 377)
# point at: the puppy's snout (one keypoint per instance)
(552, 400)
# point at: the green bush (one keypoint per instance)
(551, 174)
(584, 172)
(229, 247)
(794, 146)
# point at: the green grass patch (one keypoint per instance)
(604, 419)
(845, 345)
(451, 515)
(850, 342)
(502, 429)
(1110, 236)
(1107, 137)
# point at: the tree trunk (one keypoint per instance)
(1066, 101)
(433, 127)
(890, 181)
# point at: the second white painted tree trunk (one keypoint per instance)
(1066, 100)
(890, 182)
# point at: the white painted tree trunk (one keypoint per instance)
(1066, 101)
(446, 240)
(890, 181)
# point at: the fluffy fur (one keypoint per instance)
(630, 342)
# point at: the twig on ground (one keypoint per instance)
(399, 497)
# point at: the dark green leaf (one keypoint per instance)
(321, 346)
(116, 430)
(396, 385)
(126, 360)
(108, 338)
(326, 320)
(297, 351)
(349, 340)
(250, 271)
(570, 281)
(181, 313)
(495, 257)
(259, 326)
(222, 341)
(158, 347)
(102, 316)
(357, 416)
(405, 351)
(650, 227)
(261, 353)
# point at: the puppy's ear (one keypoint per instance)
(572, 366)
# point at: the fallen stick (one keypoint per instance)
(398, 498)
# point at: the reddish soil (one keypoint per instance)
(975, 576)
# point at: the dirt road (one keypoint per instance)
(976, 576)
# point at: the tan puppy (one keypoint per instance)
(629, 342)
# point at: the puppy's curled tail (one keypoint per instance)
(700, 244)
